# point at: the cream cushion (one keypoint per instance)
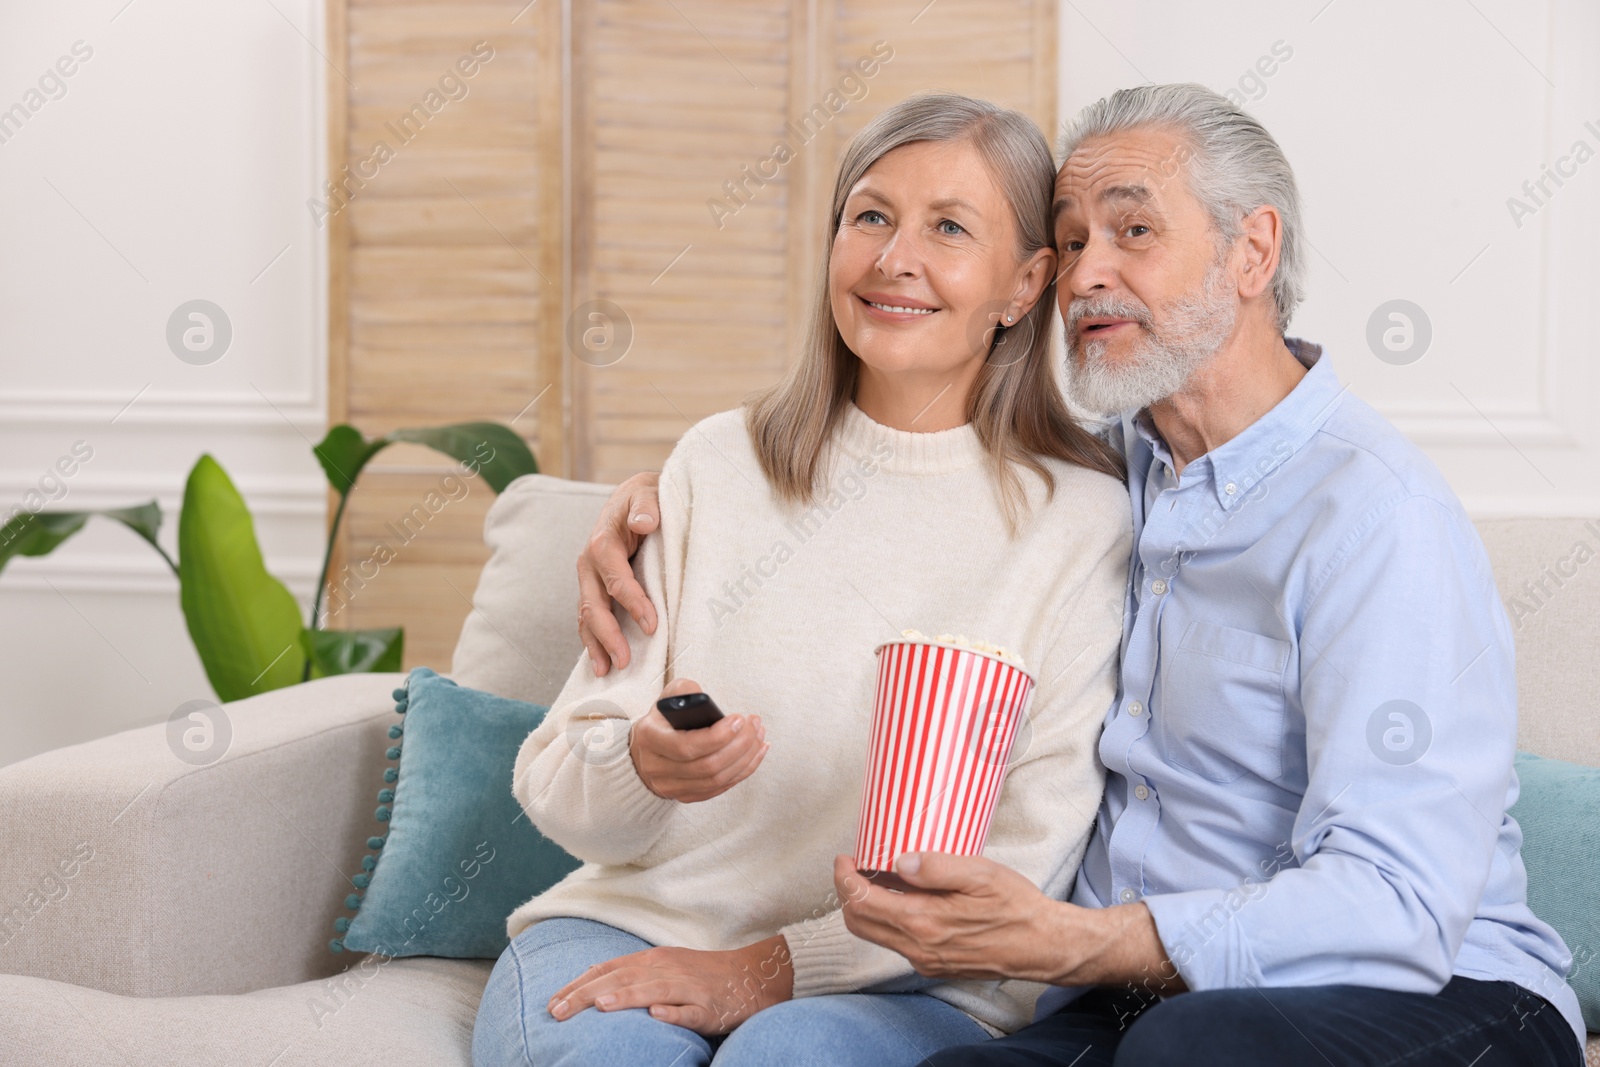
(521, 638)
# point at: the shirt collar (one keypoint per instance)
(1236, 466)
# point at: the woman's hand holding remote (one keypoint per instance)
(695, 765)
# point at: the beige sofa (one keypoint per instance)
(196, 932)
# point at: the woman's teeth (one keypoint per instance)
(903, 311)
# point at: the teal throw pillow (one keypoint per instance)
(1559, 812)
(459, 855)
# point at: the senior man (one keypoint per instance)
(1303, 853)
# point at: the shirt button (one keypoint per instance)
(1141, 792)
(1136, 709)
(1230, 489)
(1158, 586)
(1128, 896)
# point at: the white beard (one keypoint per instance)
(1162, 362)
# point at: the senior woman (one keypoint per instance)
(917, 468)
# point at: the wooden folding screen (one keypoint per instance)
(601, 219)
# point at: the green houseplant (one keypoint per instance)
(244, 623)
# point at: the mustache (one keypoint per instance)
(1109, 305)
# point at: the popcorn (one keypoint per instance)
(962, 641)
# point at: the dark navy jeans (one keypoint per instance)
(1484, 1024)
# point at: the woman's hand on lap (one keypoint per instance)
(604, 574)
(707, 992)
(695, 765)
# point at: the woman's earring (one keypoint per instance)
(1008, 318)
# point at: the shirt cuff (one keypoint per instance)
(1204, 939)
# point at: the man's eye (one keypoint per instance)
(1072, 246)
(950, 229)
(1138, 229)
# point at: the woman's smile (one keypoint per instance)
(886, 307)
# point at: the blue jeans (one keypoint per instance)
(1486, 1024)
(513, 1027)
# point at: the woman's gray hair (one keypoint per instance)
(1234, 167)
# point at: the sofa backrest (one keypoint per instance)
(1548, 571)
(521, 639)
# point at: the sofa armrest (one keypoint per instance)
(130, 870)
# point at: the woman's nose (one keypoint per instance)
(900, 257)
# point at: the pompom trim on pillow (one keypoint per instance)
(391, 776)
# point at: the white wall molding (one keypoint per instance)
(1482, 507)
(136, 572)
(1467, 428)
(69, 407)
(298, 504)
(264, 494)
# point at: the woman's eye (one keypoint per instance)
(870, 217)
(1072, 246)
(950, 229)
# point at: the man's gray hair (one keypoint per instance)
(1234, 167)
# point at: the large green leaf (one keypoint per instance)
(353, 651)
(499, 454)
(495, 450)
(39, 534)
(343, 452)
(244, 622)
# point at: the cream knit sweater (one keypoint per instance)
(776, 610)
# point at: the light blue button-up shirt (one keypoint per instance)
(1310, 751)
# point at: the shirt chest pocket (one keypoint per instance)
(1221, 711)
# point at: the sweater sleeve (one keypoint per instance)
(828, 958)
(574, 775)
(1052, 787)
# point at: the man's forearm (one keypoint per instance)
(1111, 946)
(974, 918)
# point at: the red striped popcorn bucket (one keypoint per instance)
(943, 722)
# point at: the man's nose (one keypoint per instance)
(1091, 268)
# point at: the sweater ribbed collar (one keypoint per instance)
(909, 452)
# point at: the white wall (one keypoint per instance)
(1409, 126)
(175, 166)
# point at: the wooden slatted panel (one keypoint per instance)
(450, 263)
(676, 99)
(999, 50)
